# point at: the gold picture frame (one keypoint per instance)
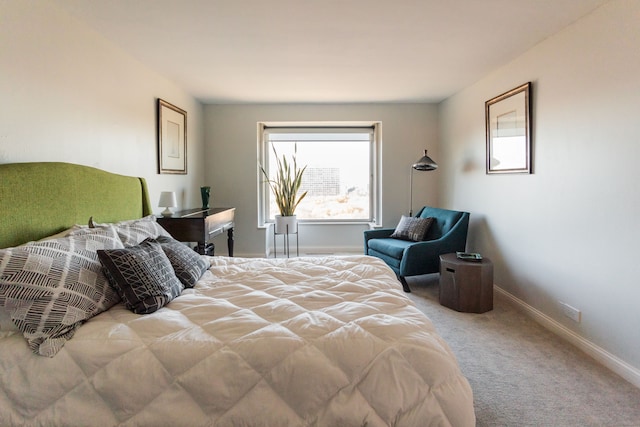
(172, 139)
(508, 126)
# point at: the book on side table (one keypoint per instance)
(469, 256)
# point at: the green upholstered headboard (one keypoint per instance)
(40, 199)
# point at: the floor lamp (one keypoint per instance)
(425, 163)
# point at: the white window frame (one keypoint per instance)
(375, 196)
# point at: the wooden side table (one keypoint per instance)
(466, 286)
(201, 225)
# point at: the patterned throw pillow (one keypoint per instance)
(187, 264)
(133, 232)
(142, 275)
(50, 288)
(412, 228)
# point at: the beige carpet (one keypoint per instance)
(523, 375)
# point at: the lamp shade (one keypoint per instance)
(167, 200)
(425, 163)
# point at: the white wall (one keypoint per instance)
(232, 165)
(568, 232)
(70, 95)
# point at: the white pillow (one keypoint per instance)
(134, 231)
(63, 233)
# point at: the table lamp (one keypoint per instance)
(167, 200)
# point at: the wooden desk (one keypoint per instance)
(201, 225)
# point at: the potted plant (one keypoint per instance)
(285, 187)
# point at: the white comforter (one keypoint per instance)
(298, 342)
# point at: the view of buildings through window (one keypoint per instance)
(338, 174)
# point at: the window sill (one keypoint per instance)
(304, 223)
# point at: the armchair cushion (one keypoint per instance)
(393, 248)
(412, 228)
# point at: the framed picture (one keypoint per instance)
(508, 122)
(172, 139)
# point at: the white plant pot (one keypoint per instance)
(286, 224)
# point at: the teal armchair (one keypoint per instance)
(447, 234)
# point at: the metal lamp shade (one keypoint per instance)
(425, 163)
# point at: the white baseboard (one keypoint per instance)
(609, 360)
(304, 251)
(319, 251)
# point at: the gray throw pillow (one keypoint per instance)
(188, 265)
(412, 228)
(142, 275)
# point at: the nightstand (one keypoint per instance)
(466, 286)
(201, 225)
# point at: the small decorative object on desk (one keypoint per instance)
(469, 256)
(205, 193)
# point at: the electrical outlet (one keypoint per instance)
(571, 312)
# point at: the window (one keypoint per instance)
(341, 178)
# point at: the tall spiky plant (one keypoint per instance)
(287, 183)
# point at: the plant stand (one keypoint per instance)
(285, 240)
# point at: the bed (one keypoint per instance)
(328, 341)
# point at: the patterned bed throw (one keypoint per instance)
(296, 342)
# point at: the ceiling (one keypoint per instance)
(313, 51)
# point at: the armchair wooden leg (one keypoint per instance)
(405, 285)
